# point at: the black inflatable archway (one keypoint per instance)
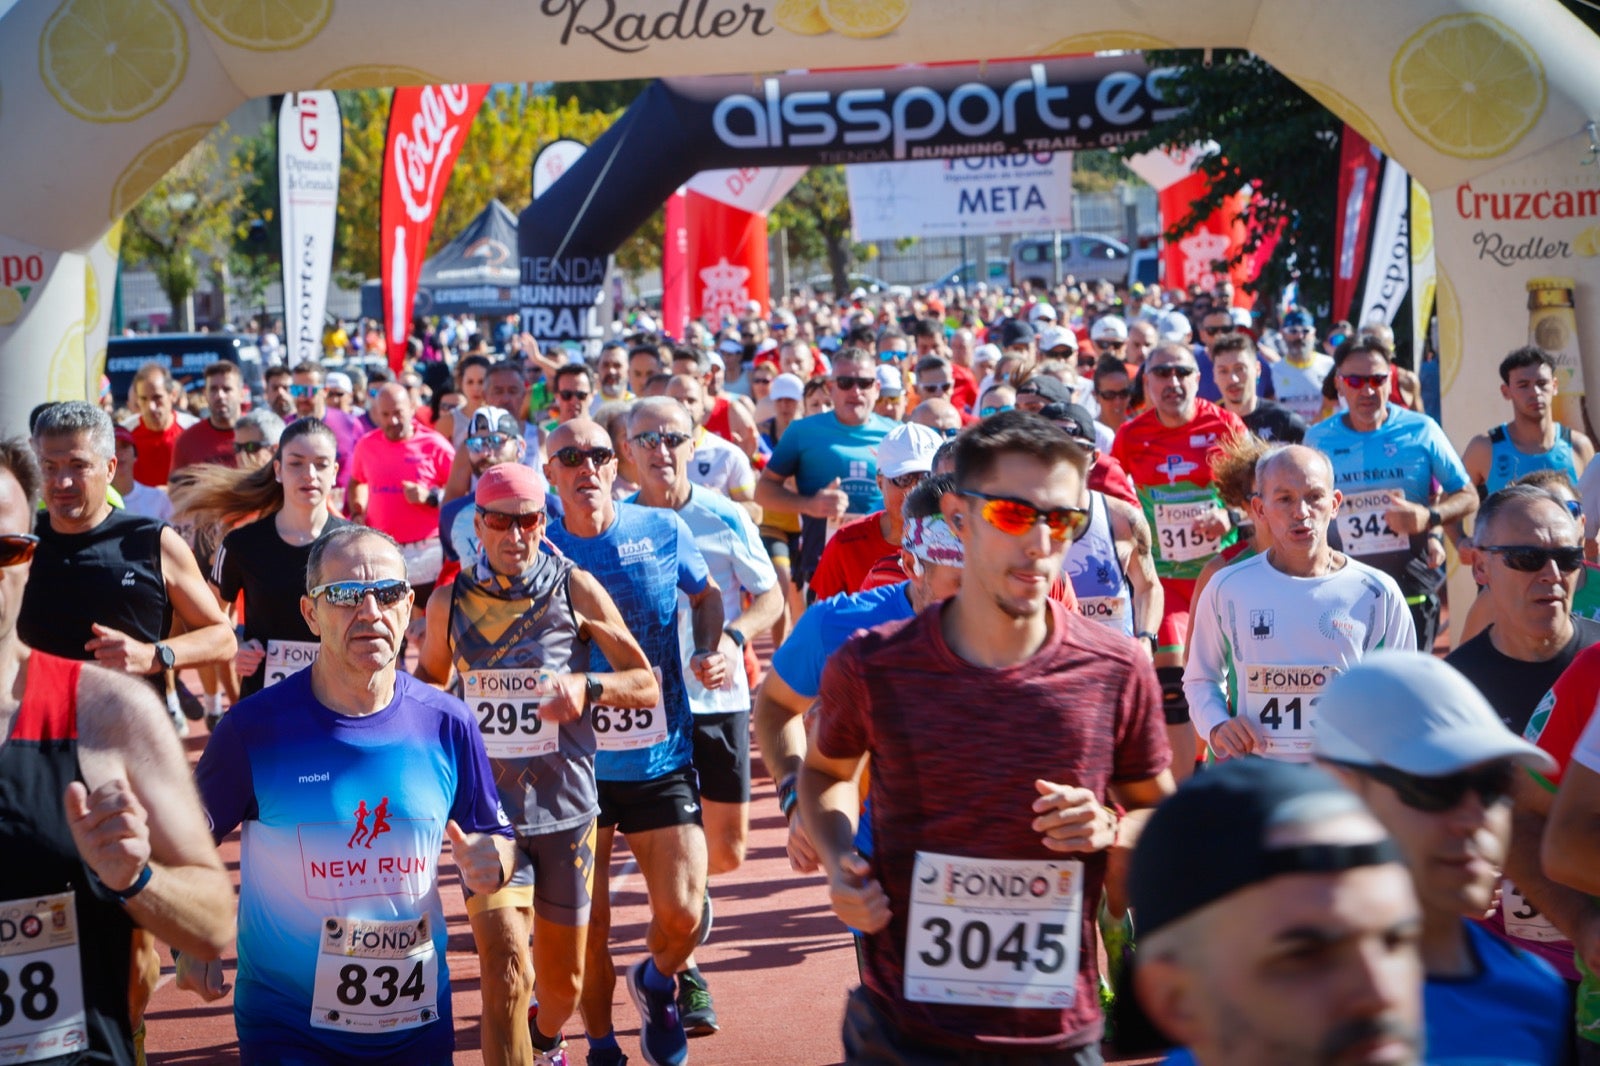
(679, 127)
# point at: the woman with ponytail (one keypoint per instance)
(285, 507)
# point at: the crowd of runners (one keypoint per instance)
(1102, 706)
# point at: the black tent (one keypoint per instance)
(475, 273)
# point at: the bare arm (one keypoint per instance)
(706, 615)
(355, 500)
(762, 612)
(779, 718)
(1132, 534)
(742, 426)
(1476, 460)
(1570, 852)
(1570, 911)
(434, 660)
(138, 806)
(1582, 450)
(774, 495)
(460, 477)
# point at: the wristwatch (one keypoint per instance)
(592, 689)
(1154, 641)
(165, 657)
(1433, 518)
(735, 636)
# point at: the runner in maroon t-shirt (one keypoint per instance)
(989, 856)
(210, 440)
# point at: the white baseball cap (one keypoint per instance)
(1041, 312)
(908, 449)
(890, 383)
(1055, 336)
(337, 381)
(1417, 714)
(1174, 328)
(985, 353)
(1109, 328)
(787, 387)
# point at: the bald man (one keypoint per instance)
(937, 414)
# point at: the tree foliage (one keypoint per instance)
(815, 219)
(190, 214)
(1270, 132)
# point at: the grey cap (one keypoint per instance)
(1414, 713)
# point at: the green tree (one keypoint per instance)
(600, 95)
(815, 219)
(1272, 133)
(190, 214)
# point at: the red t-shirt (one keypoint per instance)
(717, 420)
(963, 389)
(1562, 715)
(153, 462)
(849, 556)
(1107, 476)
(949, 775)
(201, 443)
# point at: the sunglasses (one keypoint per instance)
(908, 481)
(574, 457)
(848, 383)
(483, 442)
(760, 381)
(388, 592)
(17, 548)
(889, 357)
(1114, 394)
(1295, 332)
(985, 412)
(653, 439)
(1214, 329)
(304, 392)
(950, 433)
(1531, 559)
(339, 394)
(499, 521)
(1173, 370)
(937, 387)
(1435, 795)
(572, 394)
(250, 447)
(1574, 508)
(1362, 381)
(1016, 517)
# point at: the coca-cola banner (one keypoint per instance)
(310, 141)
(427, 126)
(678, 127)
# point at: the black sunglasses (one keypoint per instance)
(250, 447)
(1114, 394)
(1173, 370)
(17, 548)
(1435, 795)
(573, 456)
(572, 394)
(500, 521)
(652, 439)
(848, 383)
(1530, 559)
(908, 481)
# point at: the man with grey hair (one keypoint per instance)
(332, 969)
(1271, 631)
(256, 437)
(107, 585)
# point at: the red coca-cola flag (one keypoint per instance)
(427, 127)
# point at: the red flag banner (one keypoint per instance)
(427, 127)
(1359, 167)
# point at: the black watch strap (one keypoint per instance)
(736, 636)
(592, 689)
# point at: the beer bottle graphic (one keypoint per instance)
(1553, 328)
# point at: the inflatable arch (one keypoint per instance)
(1490, 104)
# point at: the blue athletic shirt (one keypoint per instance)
(643, 560)
(1409, 452)
(818, 448)
(820, 632)
(728, 538)
(1507, 462)
(1516, 1012)
(343, 819)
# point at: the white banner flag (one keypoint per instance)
(310, 138)
(1020, 193)
(1389, 261)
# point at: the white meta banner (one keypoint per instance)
(1024, 192)
(310, 139)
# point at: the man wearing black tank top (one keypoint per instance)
(100, 826)
(106, 584)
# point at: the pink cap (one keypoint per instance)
(510, 481)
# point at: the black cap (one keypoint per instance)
(1053, 389)
(1073, 418)
(1015, 331)
(1213, 837)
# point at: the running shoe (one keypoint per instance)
(556, 1056)
(695, 1009)
(661, 1037)
(611, 1056)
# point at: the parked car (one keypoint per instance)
(1083, 255)
(186, 355)
(966, 277)
(822, 285)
